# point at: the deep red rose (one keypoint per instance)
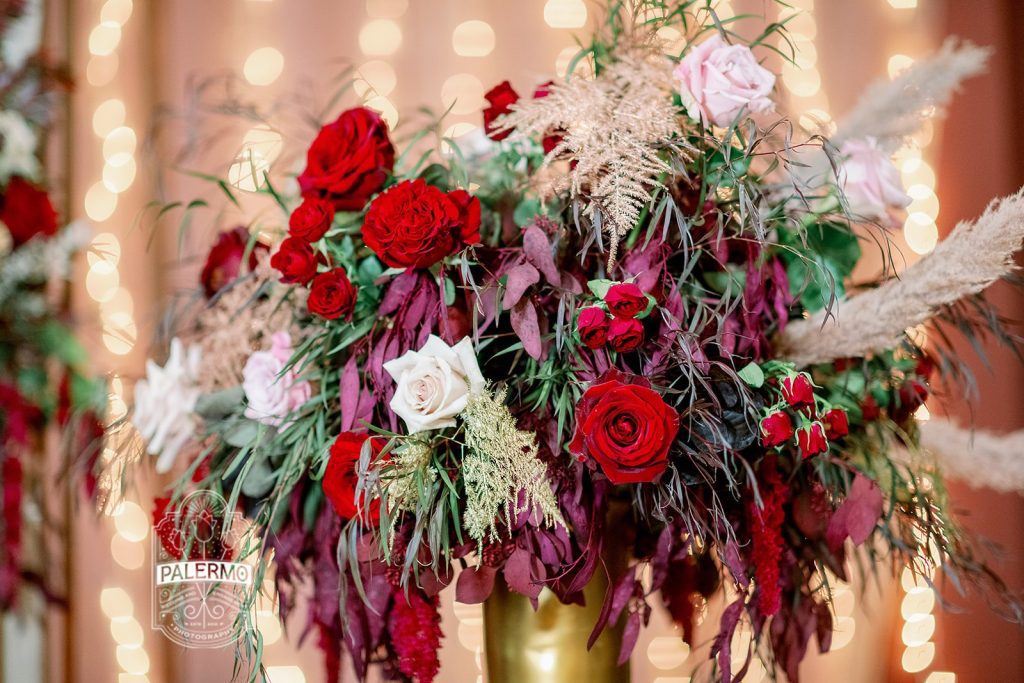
(415, 225)
(837, 423)
(811, 439)
(797, 390)
(341, 477)
(500, 99)
(349, 160)
(224, 262)
(776, 429)
(312, 219)
(626, 427)
(592, 325)
(295, 260)
(543, 90)
(869, 409)
(625, 334)
(17, 415)
(332, 295)
(625, 300)
(26, 211)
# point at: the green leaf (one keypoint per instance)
(752, 375)
(219, 404)
(242, 434)
(449, 292)
(600, 287)
(526, 211)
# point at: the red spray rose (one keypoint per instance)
(811, 439)
(349, 160)
(332, 295)
(26, 211)
(776, 429)
(295, 260)
(500, 99)
(415, 225)
(592, 326)
(312, 219)
(837, 423)
(626, 427)
(798, 390)
(625, 300)
(224, 262)
(625, 334)
(341, 478)
(869, 409)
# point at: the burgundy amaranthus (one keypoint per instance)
(415, 628)
(766, 529)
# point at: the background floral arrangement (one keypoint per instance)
(637, 297)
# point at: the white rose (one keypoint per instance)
(434, 383)
(18, 145)
(165, 401)
(271, 396)
(717, 81)
(869, 180)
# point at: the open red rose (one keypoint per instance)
(224, 262)
(811, 439)
(26, 211)
(776, 429)
(626, 427)
(625, 300)
(797, 390)
(415, 225)
(837, 423)
(332, 295)
(341, 478)
(349, 160)
(592, 325)
(500, 99)
(295, 260)
(625, 334)
(312, 219)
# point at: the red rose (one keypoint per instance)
(415, 225)
(341, 477)
(592, 325)
(500, 99)
(224, 261)
(869, 409)
(332, 295)
(312, 219)
(811, 439)
(798, 390)
(625, 334)
(295, 260)
(26, 211)
(349, 160)
(776, 429)
(625, 300)
(626, 427)
(837, 423)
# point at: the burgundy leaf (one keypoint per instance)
(722, 644)
(475, 584)
(398, 291)
(518, 575)
(519, 280)
(538, 252)
(524, 322)
(629, 636)
(858, 515)
(349, 394)
(732, 560)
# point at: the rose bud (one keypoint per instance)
(312, 219)
(797, 389)
(837, 423)
(625, 334)
(592, 326)
(625, 300)
(332, 295)
(811, 439)
(869, 409)
(341, 478)
(776, 429)
(500, 99)
(224, 262)
(295, 260)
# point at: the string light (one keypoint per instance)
(263, 66)
(667, 652)
(462, 94)
(565, 13)
(471, 631)
(473, 38)
(380, 37)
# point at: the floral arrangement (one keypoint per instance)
(637, 294)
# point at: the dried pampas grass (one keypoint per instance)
(969, 260)
(976, 457)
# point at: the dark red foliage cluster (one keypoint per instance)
(766, 532)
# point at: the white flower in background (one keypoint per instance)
(434, 383)
(165, 401)
(17, 147)
(23, 36)
(271, 395)
(870, 181)
(717, 81)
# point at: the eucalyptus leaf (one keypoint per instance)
(220, 404)
(242, 434)
(752, 374)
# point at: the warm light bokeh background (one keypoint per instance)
(136, 63)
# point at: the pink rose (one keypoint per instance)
(271, 396)
(717, 81)
(870, 181)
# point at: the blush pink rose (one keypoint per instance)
(870, 181)
(271, 396)
(717, 81)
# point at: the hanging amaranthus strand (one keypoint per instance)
(766, 529)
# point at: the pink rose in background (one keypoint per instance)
(271, 395)
(870, 181)
(717, 81)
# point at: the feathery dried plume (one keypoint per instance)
(978, 458)
(973, 256)
(503, 475)
(891, 111)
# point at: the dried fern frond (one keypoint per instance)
(502, 473)
(891, 111)
(978, 458)
(973, 256)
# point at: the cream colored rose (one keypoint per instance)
(718, 81)
(869, 180)
(434, 383)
